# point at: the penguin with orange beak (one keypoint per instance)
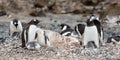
(31, 38)
(28, 34)
(93, 32)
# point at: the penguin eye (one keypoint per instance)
(34, 20)
(14, 23)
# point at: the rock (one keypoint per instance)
(37, 13)
(2, 40)
(55, 6)
(91, 2)
(67, 6)
(111, 10)
(2, 13)
(44, 2)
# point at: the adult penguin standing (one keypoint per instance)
(93, 32)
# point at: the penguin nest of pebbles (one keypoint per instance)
(11, 49)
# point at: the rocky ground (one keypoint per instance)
(10, 48)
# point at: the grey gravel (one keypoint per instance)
(10, 48)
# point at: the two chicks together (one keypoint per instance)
(32, 36)
(92, 31)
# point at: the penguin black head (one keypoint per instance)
(92, 17)
(90, 21)
(15, 22)
(34, 21)
(64, 26)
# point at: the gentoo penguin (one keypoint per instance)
(36, 38)
(114, 40)
(64, 27)
(27, 29)
(15, 26)
(66, 30)
(79, 29)
(99, 29)
(31, 38)
(93, 32)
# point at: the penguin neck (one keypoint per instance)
(90, 23)
(16, 25)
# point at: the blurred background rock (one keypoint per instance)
(38, 7)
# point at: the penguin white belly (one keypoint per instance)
(14, 29)
(32, 32)
(91, 34)
(40, 37)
